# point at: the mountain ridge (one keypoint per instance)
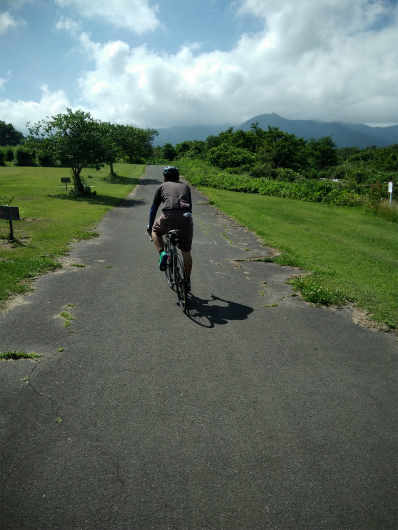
(343, 134)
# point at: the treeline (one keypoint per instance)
(76, 140)
(276, 163)
(277, 155)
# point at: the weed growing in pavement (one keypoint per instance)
(16, 355)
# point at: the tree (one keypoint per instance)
(111, 146)
(228, 156)
(75, 139)
(135, 142)
(191, 148)
(9, 135)
(323, 152)
(287, 150)
(168, 152)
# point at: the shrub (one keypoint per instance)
(23, 157)
(227, 156)
(9, 149)
(2, 156)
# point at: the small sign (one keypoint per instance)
(65, 180)
(390, 187)
(11, 213)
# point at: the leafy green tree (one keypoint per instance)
(222, 138)
(9, 135)
(135, 142)
(111, 144)
(191, 148)
(73, 138)
(168, 152)
(287, 150)
(322, 153)
(227, 156)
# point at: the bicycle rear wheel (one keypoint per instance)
(169, 275)
(169, 271)
(181, 283)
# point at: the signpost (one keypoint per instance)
(11, 213)
(66, 180)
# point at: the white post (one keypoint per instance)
(390, 192)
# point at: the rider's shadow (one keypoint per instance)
(216, 311)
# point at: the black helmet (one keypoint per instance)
(171, 173)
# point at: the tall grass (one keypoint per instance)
(351, 254)
(51, 217)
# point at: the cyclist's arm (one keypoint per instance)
(154, 208)
(152, 215)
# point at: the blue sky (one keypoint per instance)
(164, 63)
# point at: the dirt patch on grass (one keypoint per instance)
(363, 318)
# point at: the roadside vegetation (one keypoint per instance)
(52, 217)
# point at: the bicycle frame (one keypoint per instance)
(175, 272)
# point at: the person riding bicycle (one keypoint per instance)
(176, 215)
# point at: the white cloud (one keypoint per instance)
(20, 112)
(135, 15)
(7, 22)
(317, 62)
(332, 61)
(70, 26)
(5, 80)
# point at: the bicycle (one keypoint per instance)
(175, 271)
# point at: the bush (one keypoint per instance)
(2, 156)
(23, 157)
(227, 156)
(9, 149)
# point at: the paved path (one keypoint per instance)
(254, 411)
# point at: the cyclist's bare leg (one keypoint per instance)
(158, 240)
(187, 263)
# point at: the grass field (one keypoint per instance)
(51, 218)
(352, 255)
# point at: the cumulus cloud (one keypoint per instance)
(332, 60)
(20, 112)
(323, 61)
(135, 15)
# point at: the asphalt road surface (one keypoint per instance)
(253, 411)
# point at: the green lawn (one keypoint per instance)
(51, 217)
(352, 254)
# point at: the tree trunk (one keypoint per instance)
(79, 188)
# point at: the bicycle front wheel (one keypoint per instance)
(181, 283)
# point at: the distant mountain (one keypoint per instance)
(343, 134)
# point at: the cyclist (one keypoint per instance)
(176, 215)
